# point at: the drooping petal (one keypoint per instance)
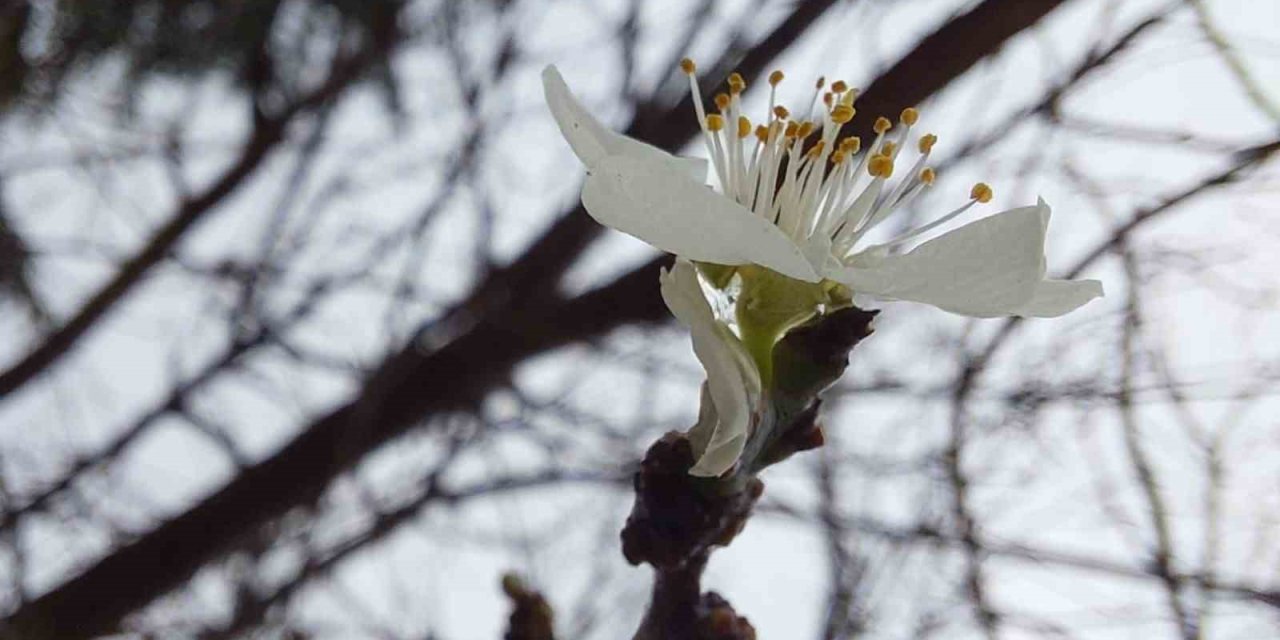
(592, 141)
(716, 461)
(1053, 298)
(713, 460)
(732, 389)
(991, 267)
(661, 206)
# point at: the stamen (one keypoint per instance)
(918, 231)
(981, 192)
(812, 201)
(880, 166)
(817, 93)
(736, 84)
(707, 137)
(842, 114)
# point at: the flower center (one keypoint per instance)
(824, 191)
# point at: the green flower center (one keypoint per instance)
(769, 304)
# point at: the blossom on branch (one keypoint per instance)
(782, 236)
(796, 198)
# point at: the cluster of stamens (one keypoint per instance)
(802, 175)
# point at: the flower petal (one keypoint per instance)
(715, 462)
(732, 389)
(1053, 298)
(592, 141)
(991, 267)
(663, 207)
(711, 460)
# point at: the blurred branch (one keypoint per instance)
(967, 379)
(531, 617)
(925, 534)
(1243, 162)
(1050, 103)
(1252, 89)
(15, 268)
(268, 131)
(1140, 460)
(845, 615)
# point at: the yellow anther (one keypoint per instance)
(839, 86)
(775, 78)
(804, 130)
(981, 192)
(888, 149)
(715, 122)
(851, 145)
(736, 83)
(842, 114)
(837, 157)
(880, 166)
(687, 66)
(826, 98)
(722, 101)
(790, 131)
(781, 112)
(762, 133)
(744, 127)
(909, 116)
(849, 96)
(816, 150)
(822, 80)
(928, 175)
(927, 141)
(883, 124)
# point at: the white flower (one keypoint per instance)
(810, 226)
(731, 395)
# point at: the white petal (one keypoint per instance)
(702, 430)
(663, 207)
(987, 268)
(592, 141)
(1053, 298)
(733, 391)
(715, 462)
(712, 461)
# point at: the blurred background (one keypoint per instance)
(303, 333)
